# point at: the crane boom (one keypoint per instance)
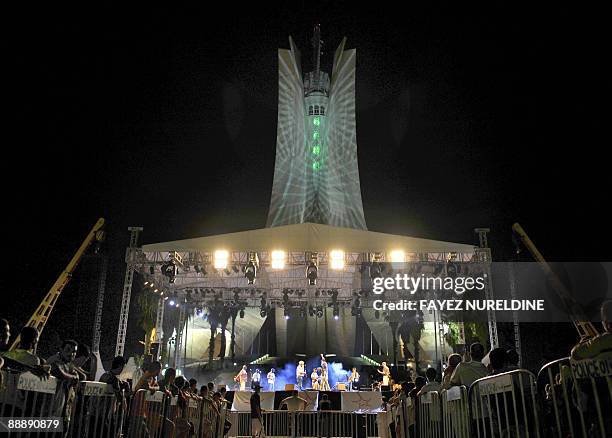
(585, 328)
(42, 313)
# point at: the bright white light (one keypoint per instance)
(278, 259)
(336, 259)
(286, 316)
(336, 317)
(171, 302)
(177, 304)
(221, 259)
(398, 256)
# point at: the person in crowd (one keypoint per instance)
(453, 360)
(193, 386)
(167, 383)
(271, 379)
(294, 402)
(120, 388)
(62, 363)
(211, 388)
(300, 372)
(325, 419)
(24, 353)
(256, 420)
(149, 376)
(600, 346)
(5, 334)
(497, 361)
(431, 384)
(204, 392)
(242, 377)
(512, 360)
(82, 360)
(467, 373)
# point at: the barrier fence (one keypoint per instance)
(93, 409)
(576, 396)
(568, 398)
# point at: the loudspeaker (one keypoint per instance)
(289, 386)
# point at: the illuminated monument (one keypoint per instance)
(316, 175)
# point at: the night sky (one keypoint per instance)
(166, 119)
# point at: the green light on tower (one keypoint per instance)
(316, 121)
(316, 165)
(315, 135)
(316, 150)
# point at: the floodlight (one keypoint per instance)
(336, 259)
(221, 259)
(397, 256)
(278, 259)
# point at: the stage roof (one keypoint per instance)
(309, 237)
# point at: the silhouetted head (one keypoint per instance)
(28, 338)
(431, 374)
(497, 359)
(477, 351)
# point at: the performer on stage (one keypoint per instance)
(271, 379)
(315, 379)
(255, 379)
(354, 380)
(300, 372)
(242, 377)
(386, 373)
(324, 386)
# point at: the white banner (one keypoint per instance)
(366, 401)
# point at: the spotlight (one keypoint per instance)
(278, 259)
(336, 259)
(250, 271)
(263, 313)
(169, 270)
(146, 283)
(336, 313)
(286, 313)
(171, 302)
(398, 256)
(221, 259)
(319, 311)
(177, 304)
(312, 270)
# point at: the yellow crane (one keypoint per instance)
(42, 313)
(585, 328)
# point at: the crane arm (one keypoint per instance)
(42, 313)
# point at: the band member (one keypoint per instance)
(354, 380)
(255, 379)
(300, 372)
(324, 385)
(315, 379)
(386, 373)
(271, 379)
(242, 377)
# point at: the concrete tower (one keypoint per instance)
(316, 176)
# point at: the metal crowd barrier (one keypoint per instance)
(577, 397)
(23, 395)
(428, 415)
(147, 414)
(505, 405)
(305, 424)
(455, 412)
(97, 411)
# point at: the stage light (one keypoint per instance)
(319, 311)
(177, 304)
(286, 313)
(171, 302)
(336, 259)
(169, 270)
(250, 271)
(263, 313)
(312, 270)
(146, 283)
(156, 290)
(221, 259)
(278, 259)
(398, 256)
(336, 313)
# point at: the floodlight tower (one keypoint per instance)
(316, 175)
